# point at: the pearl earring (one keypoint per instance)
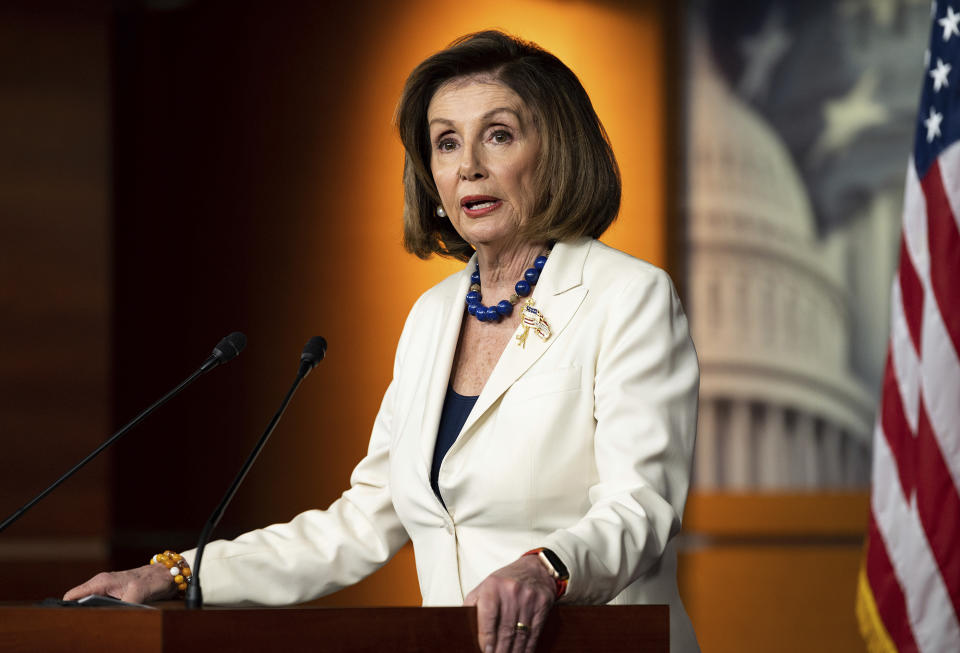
(440, 212)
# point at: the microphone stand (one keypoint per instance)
(194, 595)
(113, 438)
(208, 365)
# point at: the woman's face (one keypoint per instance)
(484, 155)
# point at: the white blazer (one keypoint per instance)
(581, 443)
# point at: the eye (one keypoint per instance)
(501, 137)
(446, 145)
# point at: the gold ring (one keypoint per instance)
(521, 627)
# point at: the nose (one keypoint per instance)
(471, 165)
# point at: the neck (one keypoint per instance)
(500, 269)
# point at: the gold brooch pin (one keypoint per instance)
(531, 318)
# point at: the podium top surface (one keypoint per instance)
(610, 629)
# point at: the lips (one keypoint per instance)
(478, 205)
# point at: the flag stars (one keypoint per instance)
(950, 24)
(939, 75)
(932, 123)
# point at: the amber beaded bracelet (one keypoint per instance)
(178, 567)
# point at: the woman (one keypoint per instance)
(535, 442)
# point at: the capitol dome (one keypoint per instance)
(780, 407)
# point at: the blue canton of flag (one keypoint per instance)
(938, 121)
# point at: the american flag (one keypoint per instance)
(908, 597)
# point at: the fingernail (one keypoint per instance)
(489, 649)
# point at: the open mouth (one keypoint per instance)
(475, 204)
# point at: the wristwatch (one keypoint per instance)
(554, 566)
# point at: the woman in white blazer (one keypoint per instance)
(535, 449)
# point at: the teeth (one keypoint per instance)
(474, 206)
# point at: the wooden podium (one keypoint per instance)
(570, 629)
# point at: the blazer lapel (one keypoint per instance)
(447, 334)
(557, 296)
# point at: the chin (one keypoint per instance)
(492, 236)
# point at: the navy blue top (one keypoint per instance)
(455, 410)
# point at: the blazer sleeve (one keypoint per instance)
(318, 551)
(646, 388)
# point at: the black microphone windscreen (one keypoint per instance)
(230, 347)
(314, 351)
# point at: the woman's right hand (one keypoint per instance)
(140, 585)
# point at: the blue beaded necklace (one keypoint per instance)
(505, 307)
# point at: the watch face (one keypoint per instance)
(559, 569)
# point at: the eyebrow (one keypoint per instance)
(486, 116)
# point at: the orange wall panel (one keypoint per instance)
(786, 598)
(773, 572)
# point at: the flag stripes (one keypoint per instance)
(898, 434)
(940, 366)
(913, 557)
(911, 292)
(891, 606)
(929, 608)
(939, 507)
(944, 243)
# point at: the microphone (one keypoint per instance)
(227, 349)
(313, 353)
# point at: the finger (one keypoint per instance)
(96, 585)
(488, 611)
(133, 585)
(507, 630)
(530, 606)
(536, 627)
(76, 593)
(471, 598)
(521, 636)
(102, 583)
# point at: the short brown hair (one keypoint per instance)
(577, 179)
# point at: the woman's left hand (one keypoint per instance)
(521, 593)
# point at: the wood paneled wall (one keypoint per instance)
(54, 290)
